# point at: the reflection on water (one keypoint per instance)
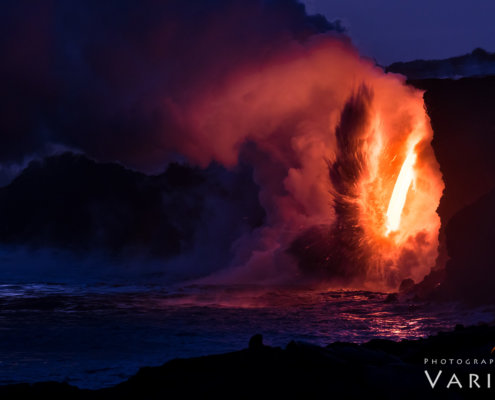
(94, 336)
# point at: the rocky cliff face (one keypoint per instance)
(462, 117)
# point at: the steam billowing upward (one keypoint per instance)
(325, 132)
(113, 79)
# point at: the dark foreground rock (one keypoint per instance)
(378, 369)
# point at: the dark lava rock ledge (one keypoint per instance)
(377, 369)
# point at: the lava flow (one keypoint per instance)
(335, 145)
(387, 186)
(399, 194)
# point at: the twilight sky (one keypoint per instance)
(402, 30)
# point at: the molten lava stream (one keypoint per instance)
(399, 194)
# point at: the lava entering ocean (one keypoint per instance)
(341, 152)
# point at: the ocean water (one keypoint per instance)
(98, 335)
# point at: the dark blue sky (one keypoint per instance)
(401, 30)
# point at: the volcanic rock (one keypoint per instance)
(376, 369)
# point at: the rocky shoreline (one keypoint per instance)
(376, 369)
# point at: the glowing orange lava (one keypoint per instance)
(401, 188)
(336, 145)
